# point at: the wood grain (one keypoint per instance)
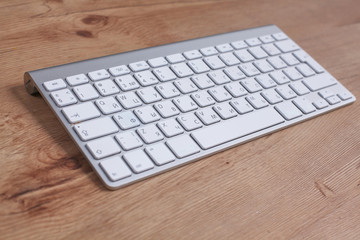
(301, 183)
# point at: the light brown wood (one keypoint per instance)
(302, 182)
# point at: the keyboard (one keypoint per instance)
(138, 114)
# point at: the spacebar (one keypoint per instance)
(237, 127)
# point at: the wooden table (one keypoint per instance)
(302, 182)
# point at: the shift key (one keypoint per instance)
(318, 82)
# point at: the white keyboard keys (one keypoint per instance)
(257, 101)
(288, 110)
(150, 134)
(77, 79)
(299, 88)
(63, 97)
(157, 62)
(267, 39)
(138, 161)
(305, 70)
(344, 95)
(54, 85)
(103, 147)
(182, 70)
(280, 36)
(126, 120)
(99, 75)
(219, 94)
(253, 41)
(276, 62)
(304, 105)
(128, 140)
(164, 74)
(106, 87)
(318, 82)
(185, 103)
(229, 59)
(148, 95)
(208, 51)
(183, 146)
(219, 77)
(214, 62)
(263, 66)
(234, 73)
(289, 59)
(189, 121)
(160, 153)
(108, 105)
(170, 127)
(115, 168)
(244, 55)
(241, 106)
(287, 46)
(257, 52)
(168, 90)
(271, 49)
(193, 54)
(147, 114)
(292, 73)
(279, 77)
(333, 100)
(127, 82)
(95, 128)
(175, 58)
(305, 58)
(271, 96)
(265, 81)
(249, 69)
(218, 134)
(325, 93)
(251, 85)
(139, 66)
(320, 103)
(225, 111)
(203, 99)
(80, 112)
(198, 66)
(185, 85)
(286, 92)
(119, 70)
(85, 92)
(202, 81)
(129, 100)
(146, 78)
(207, 116)
(239, 44)
(235, 89)
(166, 109)
(224, 48)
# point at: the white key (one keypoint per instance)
(189, 121)
(54, 85)
(103, 147)
(193, 54)
(267, 39)
(229, 59)
(286, 92)
(318, 82)
(63, 97)
(279, 77)
(299, 88)
(219, 77)
(234, 73)
(265, 81)
(183, 146)
(289, 59)
(345, 95)
(80, 112)
(77, 79)
(224, 48)
(185, 103)
(333, 100)
(146, 78)
(276, 62)
(263, 66)
(320, 103)
(128, 140)
(207, 116)
(280, 36)
(170, 128)
(219, 93)
(241, 106)
(166, 109)
(271, 96)
(198, 66)
(257, 101)
(129, 100)
(219, 133)
(139, 66)
(127, 82)
(119, 70)
(150, 134)
(106, 87)
(251, 85)
(148, 95)
(287, 46)
(164, 74)
(138, 161)
(157, 62)
(85, 92)
(95, 128)
(288, 110)
(99, 75)
(239, 44)
(160, 153)
(185, 85)
(214, 62)
(304, 105)
(168, 90)
(147, 114)
(202, 81)
(249, 69)
(225, 111)
(108, 105)
(203, 99)
(305, 70)
(257, 52)
(208, 51)
(126, 120)
(253, 41)
(182, 70)
(235, 89)
(292, 73)
(244, 55)
(115, 168)
(305, 58)
(175, 58)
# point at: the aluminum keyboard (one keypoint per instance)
(140, 113)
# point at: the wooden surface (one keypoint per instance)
(302, 182)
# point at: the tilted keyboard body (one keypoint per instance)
(140, 113)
